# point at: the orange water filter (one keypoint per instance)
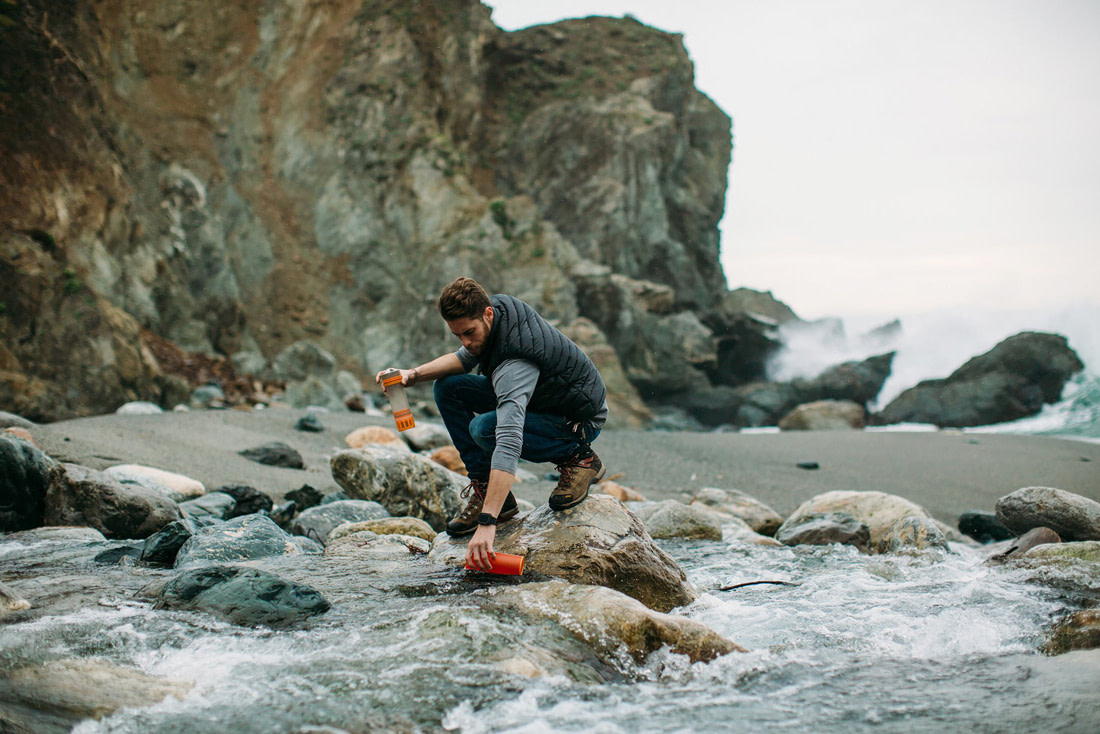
(504, 564)
(399, 401)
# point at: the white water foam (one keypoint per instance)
(934, 344)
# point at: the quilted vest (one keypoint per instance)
(568, 384)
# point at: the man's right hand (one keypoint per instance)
(408, 377)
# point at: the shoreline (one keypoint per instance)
(947, 472)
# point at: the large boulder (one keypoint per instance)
(597, 542)
(1070, 515)
(24, 479)
(879, 511)
(317, 522)
(672, 519)
(245, 596)
(1013, 380)
(64, 692)
(78, 495)
(243, 538)
(825, 415)
(734, 503)
(161, 547)
(612, 622)
(405, 484)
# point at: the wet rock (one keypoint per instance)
(406, 484)
(1070, 515)
(309, 423)
(912, 533)
(119, 554)
(1078, 631)
(275, 453)
(1081, 550)
(176, 487)
(283, 514)
(249, 500)
(58, 533)
(161, 547)
(306, 497)
(54, 696)
(24, 479)
(240, 539)
(20, 433)
(877, 510)
(825, 415)
(215, 504)
(672, 519)
(375, 436)
(308, 546)
(317, 522)
(597, 542)
(139, 407)
(78, 495)
(426, 437)
(983, 527)
(11, 420)
(824, 529)
(449, 457)
(11, 601)
(1008, 382)
(337, 496)
(759, 516)
(809, 465)
(612, 622)
(412, 526)
(366, 545)
(244, 596)
(1019, 546)
(736, 530)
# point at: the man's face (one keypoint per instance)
(473, 332)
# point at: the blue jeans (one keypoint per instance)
(468, 404)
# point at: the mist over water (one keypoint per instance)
(934, 344)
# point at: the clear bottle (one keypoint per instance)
(399, 401)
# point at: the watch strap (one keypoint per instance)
(486, 519)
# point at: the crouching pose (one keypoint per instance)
(538, 396)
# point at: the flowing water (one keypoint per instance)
(854, 642)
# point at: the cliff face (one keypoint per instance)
(237, 177)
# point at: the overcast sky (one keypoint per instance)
(894, 157)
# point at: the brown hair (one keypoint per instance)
(462, 298)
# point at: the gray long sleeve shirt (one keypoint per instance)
(514, 382)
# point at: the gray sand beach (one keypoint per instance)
(947, 472)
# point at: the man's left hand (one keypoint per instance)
(479, 551)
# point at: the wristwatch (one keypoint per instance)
(486, 519)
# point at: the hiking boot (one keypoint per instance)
(578, 473)
(465, 522)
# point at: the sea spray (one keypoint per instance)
(934, 344)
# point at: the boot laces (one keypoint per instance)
(475, 487)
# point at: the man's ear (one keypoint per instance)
(487, 314)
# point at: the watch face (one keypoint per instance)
(486, 519)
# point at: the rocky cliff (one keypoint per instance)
(238, 177)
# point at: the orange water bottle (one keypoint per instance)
(505, 564)
(399, 401)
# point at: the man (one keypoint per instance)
(538, 396)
